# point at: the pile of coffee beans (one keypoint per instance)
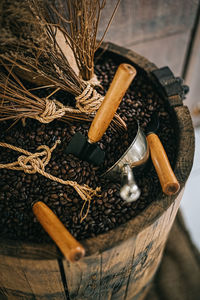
(18, 190)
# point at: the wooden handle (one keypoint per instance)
(70, 247)
(168, 181)
(121, 81)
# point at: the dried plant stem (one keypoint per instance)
(44, 58)
(78, 20)
(17, 102)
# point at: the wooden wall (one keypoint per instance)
(162, 31)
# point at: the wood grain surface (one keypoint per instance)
(119, 85)
(123, 271)
(30, 279)
(167, 178)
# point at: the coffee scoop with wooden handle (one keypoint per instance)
(133, 158)
(86, 148)
(68, 245)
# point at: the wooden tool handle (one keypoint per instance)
(121, 81)
(168, 181)
(70, 247)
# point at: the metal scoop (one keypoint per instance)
(136, 155)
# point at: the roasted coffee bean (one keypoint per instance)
(72, 164)
(53, 196)
(18, 190)
(99, 201)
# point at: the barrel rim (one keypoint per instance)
(146, 218)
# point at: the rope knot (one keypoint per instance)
(30, 164)
(89, 101)
(53, 110)
(35, 163)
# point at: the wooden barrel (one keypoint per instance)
(121, 263)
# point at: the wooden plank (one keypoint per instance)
(123, 271)
(12, 276)
(105, 276)
(30, 279)
(116, 265)
(161, 54)
(148, 253)
(83, 278)
(32, 251)
(140, 20)
(44, 278)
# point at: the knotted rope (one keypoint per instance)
(53, 110)
(93, 81)
(89, 100)
(32, 163)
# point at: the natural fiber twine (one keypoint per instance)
(88, 102)
(32, 163)
(53, 110)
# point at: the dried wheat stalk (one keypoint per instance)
(40, 55)
(35, 50)
(17, 102)
(78, 20)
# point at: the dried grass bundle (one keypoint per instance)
(42, 57)
(35, 50)
(50, 64)
(17, 102)
(38, 53)
(78, 20)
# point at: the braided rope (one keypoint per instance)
(94, 81)
(89, 100)
(32, 163)
(54, 110)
